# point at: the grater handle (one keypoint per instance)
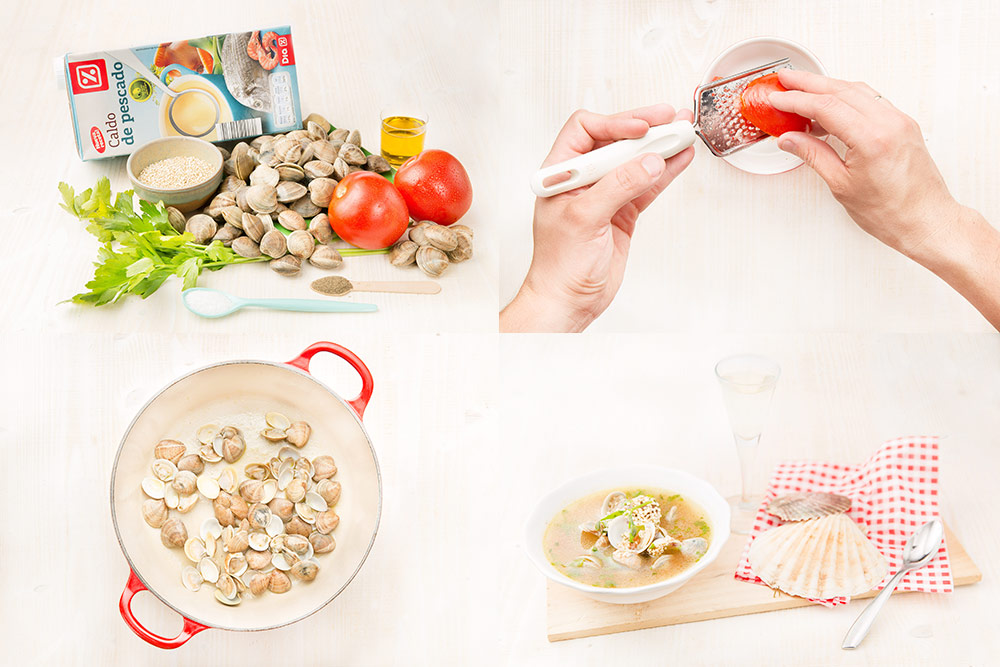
(665, 140)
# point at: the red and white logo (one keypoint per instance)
(88, 76)
(97, 138)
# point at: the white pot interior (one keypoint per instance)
(239, 394)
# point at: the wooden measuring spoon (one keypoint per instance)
(340, 286)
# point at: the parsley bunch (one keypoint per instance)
(139, 250)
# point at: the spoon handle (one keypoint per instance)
(398, 286)
(312, 305)
(861, 626)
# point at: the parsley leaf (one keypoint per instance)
(139, 250)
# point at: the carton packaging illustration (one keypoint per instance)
(217, 88)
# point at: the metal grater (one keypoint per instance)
(717, 116)
(718, 122)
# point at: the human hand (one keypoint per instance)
(582, 237)
(886, 180)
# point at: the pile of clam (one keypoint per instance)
(284, 178)
(269, 523)
(432, 247)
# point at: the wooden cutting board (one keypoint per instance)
(713, 593)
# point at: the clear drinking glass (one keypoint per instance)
(747, 382)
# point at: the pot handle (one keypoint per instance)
(367, 383)
(190, 629)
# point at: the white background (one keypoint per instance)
(722, 250)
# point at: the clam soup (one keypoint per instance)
(624, 538)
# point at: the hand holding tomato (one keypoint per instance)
(886, 180)
(756, 108)
(367, 211)
(889, 184)
(435, 187)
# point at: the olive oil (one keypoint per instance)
(402, 138)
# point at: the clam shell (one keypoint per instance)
(321, 191)
(694, 547)
(301, 244)
(289, 171)
(154, 488)
(818, 559)
(208, 569)
(210, 528)
(618, 529)
(264, 175)
(191, 579)
(612, 502)
(209, 487)
(305, 207)
(273, 244)
(289, 191)
(325, 257)
(802, 506)
(170, 450)
(164, 470)
(262, 198)
(258, 540)
(202, 227)
(194, 549)
(253, 227)
(245, 246)
(319, 168)
(206, 434)
(277, 420)
(289, 265)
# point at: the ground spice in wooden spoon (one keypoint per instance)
(332, 286)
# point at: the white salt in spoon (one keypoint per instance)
(213, 303)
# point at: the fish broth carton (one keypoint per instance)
(217, 88)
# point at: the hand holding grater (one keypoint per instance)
(718, 122)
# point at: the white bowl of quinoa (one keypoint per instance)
(182, 172)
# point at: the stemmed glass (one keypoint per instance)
(747, 382)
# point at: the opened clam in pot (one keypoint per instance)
(238, 393)
(687, 503)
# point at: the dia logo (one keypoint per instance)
(88, 76)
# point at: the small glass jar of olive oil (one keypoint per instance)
(402, 135)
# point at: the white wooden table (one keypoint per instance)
(571, 405)
(347, 85)
(723, 250)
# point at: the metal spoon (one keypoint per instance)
(214, 303)
(921, 549)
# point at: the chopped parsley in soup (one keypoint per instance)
(625, 538)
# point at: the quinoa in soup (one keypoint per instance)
(623, 538)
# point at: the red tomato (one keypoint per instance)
(435, 186)
(756, 109)
(367, 211)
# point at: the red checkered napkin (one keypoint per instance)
(892, 493)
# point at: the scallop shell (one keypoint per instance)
(802, 506)
(818, 559)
